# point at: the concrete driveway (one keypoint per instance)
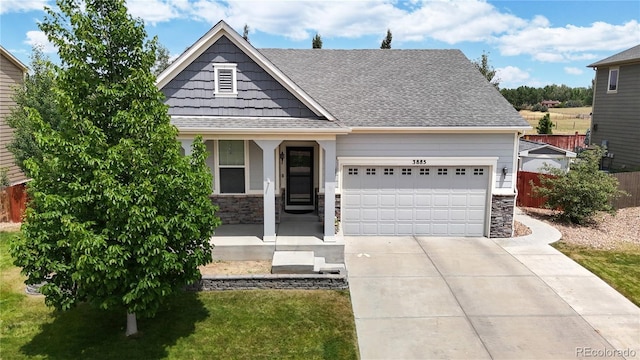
(469, 298)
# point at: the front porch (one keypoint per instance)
(295, 232)
(258, 178)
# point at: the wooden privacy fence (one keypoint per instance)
(567, 142)
(629, 182)
(525, 190)
(13, 201)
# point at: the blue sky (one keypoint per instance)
(533, 43)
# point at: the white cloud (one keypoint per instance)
(454, 21)
(9, 6)
(510, 75)
(38, 38)
(573, 70)
(568, 43)
(153, 11)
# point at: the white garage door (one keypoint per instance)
(443, 201)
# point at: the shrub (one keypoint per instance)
(573, 103)
(582, 191)
(539, 107)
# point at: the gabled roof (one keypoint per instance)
(13, 59)
(528, 146)
(397, 88)
(627, 56)
(223, 29)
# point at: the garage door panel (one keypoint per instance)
(387, 214)
(440, 214)
(415, 200)
(458, 199)
(441, 200)
(404, 214)
(422, 199)
(404, 229)
(423, 214)
(368, 199)
(457, 214)
(387, 228)
(387, 199)
(405, 200)
(368, 214)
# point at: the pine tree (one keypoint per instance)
(117, 217)
(386, 42)
(316, 43)
(545, 125)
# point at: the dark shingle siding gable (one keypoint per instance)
(397, 88)
(190, 93)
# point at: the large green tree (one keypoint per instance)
(117, 217)
(37, 95)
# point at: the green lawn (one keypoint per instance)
(206, 325)
(620, 268)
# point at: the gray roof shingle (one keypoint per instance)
(628, 55)
(397, 88)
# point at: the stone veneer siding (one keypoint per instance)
(502, 207)
(271, 281)
(321, 207)
(243, 209)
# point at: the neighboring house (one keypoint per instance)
(387, 142)
(12, 73)
(615, 121)
(534, 155)
(550, 103)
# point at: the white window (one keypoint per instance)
(231, 163)
(371, 171)
(613, 80)
(353, 171)
(225, 80)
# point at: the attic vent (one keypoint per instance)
(225, 80)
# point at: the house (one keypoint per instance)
(12, 73)
(614, 122)
(534, 155)
(383, 142)
(550, 103)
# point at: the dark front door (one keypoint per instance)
(300, 177)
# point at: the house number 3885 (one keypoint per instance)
(419, 161)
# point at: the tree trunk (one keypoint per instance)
(132, 324)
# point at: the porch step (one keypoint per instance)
(302, 262)
(293, 262)
(320, 266)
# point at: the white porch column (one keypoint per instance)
(186, 145)
(329, 147)
(268, 185)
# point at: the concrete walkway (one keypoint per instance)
(478, 298)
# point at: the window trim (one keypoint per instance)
(615, 69)
(234, 79)
(245, 166)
